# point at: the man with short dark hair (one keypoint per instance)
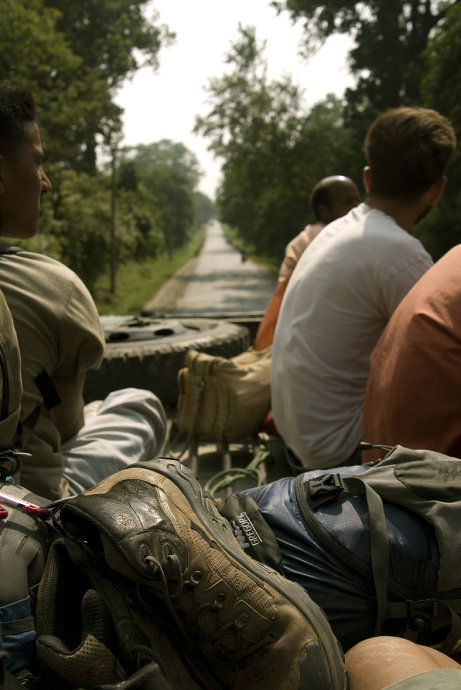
(60, 335)
(348, 283)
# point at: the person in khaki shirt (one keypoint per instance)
(60, 336)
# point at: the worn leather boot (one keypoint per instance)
(247, 625)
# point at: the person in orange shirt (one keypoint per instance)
(413, 390)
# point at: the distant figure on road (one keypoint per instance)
(332, 197)
(348, 283)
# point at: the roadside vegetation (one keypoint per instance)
(139, 281)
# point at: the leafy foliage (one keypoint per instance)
(168, 173)
(390, 37)
(74, 54)
(441, 90)
(273, 151)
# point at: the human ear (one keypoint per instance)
(435, 191)
(367, 178)
(324, 213)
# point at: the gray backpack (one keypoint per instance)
(429, 484)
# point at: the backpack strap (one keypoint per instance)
(310, 495)
(47, 389)
(319, 491)
(379, 542)
(430, 615)
(425, 615)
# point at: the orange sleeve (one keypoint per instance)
(265, 333)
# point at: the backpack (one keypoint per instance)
(25, 539)
(424, 482)
(224, 399)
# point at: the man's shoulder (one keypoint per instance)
(47, 281)
(41, 265)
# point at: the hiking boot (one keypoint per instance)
(87, 635)
(246, 623)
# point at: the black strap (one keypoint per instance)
(6, 248)
(306, 504)
(47, 389)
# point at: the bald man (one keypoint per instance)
(332, 198)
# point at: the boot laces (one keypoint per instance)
(237, 624)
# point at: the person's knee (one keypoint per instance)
(377, 662)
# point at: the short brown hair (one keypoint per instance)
(17, 111)
(407, 150)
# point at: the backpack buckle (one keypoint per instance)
(323, 489)
(421, 614)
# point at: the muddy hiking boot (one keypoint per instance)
(244, 624)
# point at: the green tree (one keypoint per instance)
(112, 38)
(389, 39)
(273, 151)
(168, 173)
(74, 54)
(34, 53)
(441, 90)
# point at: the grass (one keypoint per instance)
(137, 282)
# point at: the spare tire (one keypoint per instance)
(148, 352)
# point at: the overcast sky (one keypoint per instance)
(163, 104)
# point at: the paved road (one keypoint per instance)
(217, 281)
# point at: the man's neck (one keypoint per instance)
(404, 215)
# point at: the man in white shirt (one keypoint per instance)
(348, 283)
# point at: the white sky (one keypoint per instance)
(163, 104)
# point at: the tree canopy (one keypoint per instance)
(273, 153)
(74, 54)
(389, 36)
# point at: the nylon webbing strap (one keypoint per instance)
(18, 627)
(379, 543)
(453, 640)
